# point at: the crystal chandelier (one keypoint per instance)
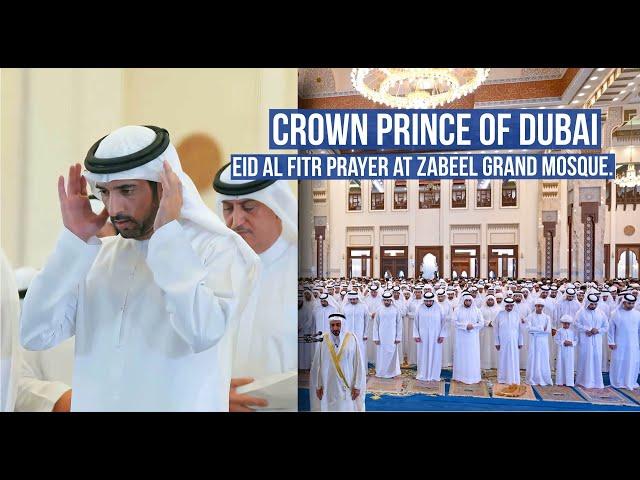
(630, 178)
(416, 87)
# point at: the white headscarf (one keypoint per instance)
(133, 138)
(277, 196)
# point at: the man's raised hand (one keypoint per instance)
(77, 215)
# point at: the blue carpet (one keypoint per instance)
(427, 403)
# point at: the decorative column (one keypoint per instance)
(589, 220)
(549, 223)
(320, 236)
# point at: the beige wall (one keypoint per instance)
(50, 117)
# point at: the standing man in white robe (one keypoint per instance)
(306, 326)
(447, 311)
(387, 334)
(508, 339)
(154, 309)
(337, 370)
(566, 340)
(321, 313)
(260, 212)
(538, 326)
(373, 302)
(429, 332)
(357, 317)
(624, 331)
(488, 352)
(590, 324)
(466, 354)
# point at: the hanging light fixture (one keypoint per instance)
(629, 178)
(416, 87)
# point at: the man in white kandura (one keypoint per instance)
(321, 313)
(429, 332)
(566, 340)
(538, 325)
(590, 324)
(357, 317)
(260, 212)
(337, 369)
(624, 330)
(466, 354)
(387, 334)
(488, 353)
(508, 336)
(153, 309)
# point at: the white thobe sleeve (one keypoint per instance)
(520, 335)
(316, 369)
(35, 395)
(444, 331)
(416, 326)
(358, 369)
(49, 308)
(460, 324)
(196, 312)
(496, 330)
(579, 325)
(605, 324)
(557, 339)
(611, 333)
(376, 328)
(399, 327)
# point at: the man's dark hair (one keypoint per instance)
(154, 189)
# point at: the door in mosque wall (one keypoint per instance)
(423, 260)
(464, 261)
(628, 261)
(394, 262)
(503, 261)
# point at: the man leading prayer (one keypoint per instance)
(153, 308)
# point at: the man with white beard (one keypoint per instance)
(538, 324)
(590, 324)
(508, 339)
(624, 330)
(357, 317)
(429, 333)
(488, 353)
(466, 353)
(337, 370)
(387, 334)
(447, 311)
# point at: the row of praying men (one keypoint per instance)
(509, 327)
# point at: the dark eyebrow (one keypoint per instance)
(125, 186)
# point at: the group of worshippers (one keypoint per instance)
(580, 330)
(150, 300)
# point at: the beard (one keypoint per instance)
(135, 228)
